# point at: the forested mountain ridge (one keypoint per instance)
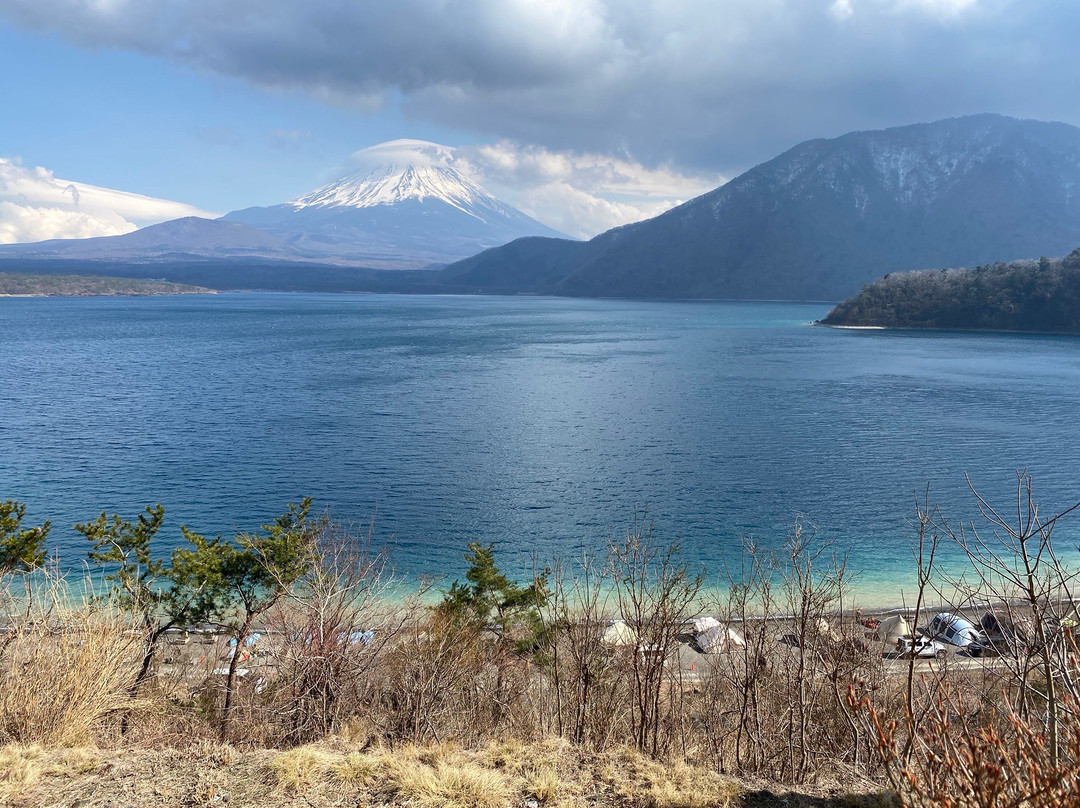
(1036, 296)
(827, 216)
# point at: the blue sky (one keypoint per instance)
(584, 113)
(133, 122)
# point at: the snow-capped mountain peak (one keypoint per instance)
(392, 184)
(405, 205)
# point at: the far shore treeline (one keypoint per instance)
(1040, 296)
(20, 284)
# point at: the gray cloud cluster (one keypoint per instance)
(715, 84)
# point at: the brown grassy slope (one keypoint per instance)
(549, 773)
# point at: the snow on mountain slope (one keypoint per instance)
(392, 185)
(400, 170)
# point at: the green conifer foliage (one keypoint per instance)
(21, 549)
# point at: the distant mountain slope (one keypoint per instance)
(1041, 295)
(398, 215)
(188, 237)
(527, 264)
(827, 216)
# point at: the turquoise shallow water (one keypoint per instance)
(534, 422)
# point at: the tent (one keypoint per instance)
(702, 624)
(619, 634)
(250, 641)
(823, 629)
(362, 637)
(892, 628)
(719, 638)
(1006, 627)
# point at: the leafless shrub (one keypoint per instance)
(588, 686)
(1015, 564)
(1008, 735)
(964, 757)
(431, 684)
(774, 701)
(655, 594)
(328, 635)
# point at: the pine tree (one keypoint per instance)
(21, 549)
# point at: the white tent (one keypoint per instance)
(619, 634)
(703, 624)
(892, 628)
(825, 630)
(719, 638)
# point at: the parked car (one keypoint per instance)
(921, 647)
(958, 631)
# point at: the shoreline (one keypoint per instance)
(941, 329)
(407, 596)
(108, 294)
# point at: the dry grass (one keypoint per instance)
(637, 780)
(61, 676)
(24, 766)
(457, 784)
(216, 754)
(355, 768)
(545, 785)
(551, 773)
(423, 777)
(20, 766)
(303, 767)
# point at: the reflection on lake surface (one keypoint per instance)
(534, 422)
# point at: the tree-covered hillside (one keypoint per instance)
(1040, 296)
(17, 283)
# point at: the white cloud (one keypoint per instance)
(842, 9)
(35, 205)
(506, 160)
(580, 213)
(580, 194)
(402, 152)
(938, 8)
(20, 223)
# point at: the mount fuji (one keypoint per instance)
(409, 208)
(406, 208)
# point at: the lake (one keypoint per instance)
(541, 424)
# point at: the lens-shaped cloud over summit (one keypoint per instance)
(402, 152)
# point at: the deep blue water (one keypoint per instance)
(537, 423)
